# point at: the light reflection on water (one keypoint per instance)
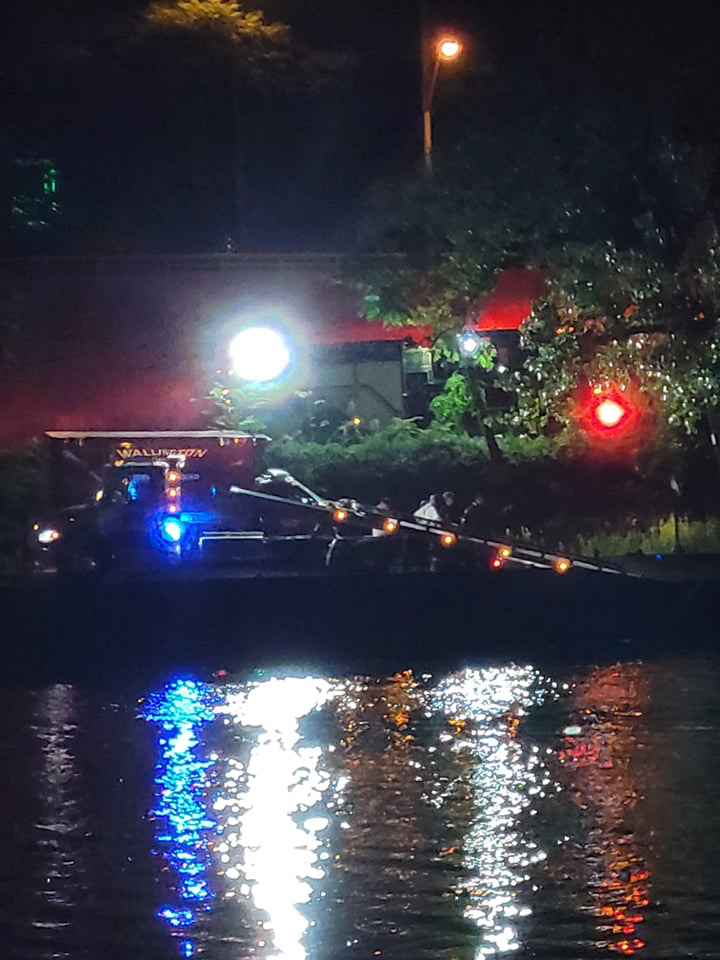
(503, 778)
(487, 812)
(598, 766)
(60, 822)
(271, 846)
(184, 779)
(271, 850)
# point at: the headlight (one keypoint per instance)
(48, 535)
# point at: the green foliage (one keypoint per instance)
(693, 536)
(239, 408)
(452, 405)
(623, 230)
(620, 317)
(279, 410)
(536, 493)
(400, 460)
(486, 355)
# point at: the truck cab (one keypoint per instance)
(165, 499)
(145, 495)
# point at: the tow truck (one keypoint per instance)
(153, 499)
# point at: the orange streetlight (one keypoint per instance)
(448, 48)
(445, 49)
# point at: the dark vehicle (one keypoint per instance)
(159, 499)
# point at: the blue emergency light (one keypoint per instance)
(172, 530)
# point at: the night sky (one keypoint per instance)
(142, 140)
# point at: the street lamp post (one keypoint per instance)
(443, 49)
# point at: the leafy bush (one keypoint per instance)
(400, 460)
(541, 491)
(452, 405)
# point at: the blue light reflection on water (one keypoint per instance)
(184, 781)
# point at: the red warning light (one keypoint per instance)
(616, 417)
(611, 413)
(497, 563)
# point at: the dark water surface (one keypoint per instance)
(488, 811)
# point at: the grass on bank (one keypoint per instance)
(666, 537)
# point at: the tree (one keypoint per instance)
(253, 44)
(621, 225)
(254, 54)
(643, 319)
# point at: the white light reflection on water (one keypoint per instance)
(484, 708)
(60, 820)
(268, 850)
(60, 826)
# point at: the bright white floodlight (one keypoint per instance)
(469, 343)
(259, 354)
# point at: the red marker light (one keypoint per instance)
(614, 416)
(497, 563)
(609, 413)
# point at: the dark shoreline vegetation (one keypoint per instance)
(557, 498)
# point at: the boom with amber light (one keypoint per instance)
(447, 536)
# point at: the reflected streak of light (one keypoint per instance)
(601, 762)
(483, 708)
(60, 823)
(273, 857)
(183, 782)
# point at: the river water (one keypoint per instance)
(480, 812)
